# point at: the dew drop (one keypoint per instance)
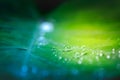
(90, 61)
(97, 58)
(80, 62)
(60, 57)
(113, 51)
(76, 55)
(55, 55)
(65, 59)
(108, 56)
(101, 54)
(119, 51)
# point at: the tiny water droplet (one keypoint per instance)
(80, 62)
(101, 54)
(113, 51)
(60, 57)
(108, 56)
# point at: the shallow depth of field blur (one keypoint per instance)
(77, 40)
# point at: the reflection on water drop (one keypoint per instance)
(55, 55)
(65, 59)
(97, 58)
(119, 51)
(67, 49)
(113, 51)
(80, 62)
(119, 55)
(60, 57)
(82, 47)
(101, 54)
(108, 56)
(42, 41)
(90, 61)
(76, 55)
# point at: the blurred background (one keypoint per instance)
(59, 40)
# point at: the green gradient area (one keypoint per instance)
(88, 31)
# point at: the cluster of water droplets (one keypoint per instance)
(83, 53)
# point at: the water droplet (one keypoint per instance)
(42, 41)
(65, 59)
(53, 49)
(92, 52)
(108, 56)
(76, 55)
(69, 59)
(113, 51)
(101, 54)
(83, 46)
(90, 61)
(119, 51)
(46, 27)
(67, 49)
(60, 57)
(81, 58)
(80, 62)
(97, 58)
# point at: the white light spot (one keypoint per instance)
(65, 59)
(113, 51)
(76, 55)
(97, 58)
(60, 57)
(92, 52)
(119, 55)
(46, 27)
(101, 54)
(90, 61)
(42, 41)
(69, 59)
(119, 52)
(80, 62)
(55, 55)
(81, 58)
(108, 56)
